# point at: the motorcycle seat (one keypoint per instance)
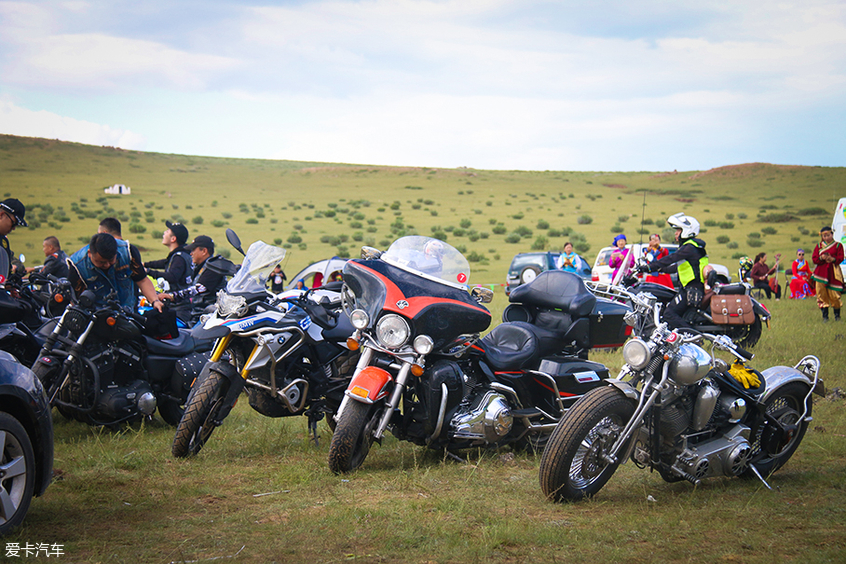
(556, 289)
(737, 289)
(182, 345)
(511, 346)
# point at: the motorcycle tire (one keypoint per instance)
(747, 336)
(352, 437)
(786, 405)
(17, 473)
(198, 421)
(572, 467)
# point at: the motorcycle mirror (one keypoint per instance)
(370, 253)
(235, 241)
(22, 258)
(482, 295)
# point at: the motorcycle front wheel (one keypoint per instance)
(198, 421)
(352, 437)
(786, 406)
(572, 467)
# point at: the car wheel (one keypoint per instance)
(17, 473)
(528, 274)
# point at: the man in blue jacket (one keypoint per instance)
(105, 267)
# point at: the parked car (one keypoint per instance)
(602, 272)
(525, 267)
(26, 441)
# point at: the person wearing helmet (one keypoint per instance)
(689, 261)
(433, 258)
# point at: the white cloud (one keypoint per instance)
(16, 120)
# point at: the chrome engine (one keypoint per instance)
(488, 418)
(701, 434)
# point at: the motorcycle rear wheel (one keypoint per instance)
(198, 421)
(786, 405)
(747, 336)
(352, 437)
(572, 467)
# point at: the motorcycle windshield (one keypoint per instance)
(430, 258)
(260, 261)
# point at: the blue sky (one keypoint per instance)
(492, 84)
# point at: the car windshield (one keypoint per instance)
(260, 261)
(430, 258)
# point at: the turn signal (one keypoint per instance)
(416, 370)
(59, 298)
(352, 344)
(110, 321)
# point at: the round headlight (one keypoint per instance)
(690, 365)
(359, 319)
(636, 353)
(392, 331)
(423, 344)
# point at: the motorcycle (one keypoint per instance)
(414, 316)
(681, 411)
(107, 365)
(287, 351)
(728, 310)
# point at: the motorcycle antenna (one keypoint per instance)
(642, 216)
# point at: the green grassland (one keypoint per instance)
(260, 491)
(319, 210)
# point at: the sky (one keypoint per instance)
(599, 85)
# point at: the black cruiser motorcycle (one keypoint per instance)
(107, 365)
(425, 375)
(681, 411)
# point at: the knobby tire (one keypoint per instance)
(197, 423)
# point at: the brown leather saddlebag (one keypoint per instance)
(732, 310)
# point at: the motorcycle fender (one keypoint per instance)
(370, 385)
(236, 384)
(761, 312)
(628, 390)
(777, 376)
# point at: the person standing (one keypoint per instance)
(828, 254)
(568, 260)
(277, 280)
(690, 261)
(177, 265)
(760, 275)
(205, 282)
(12, 214)
(619, 260)
(55, 259)
(654, 251)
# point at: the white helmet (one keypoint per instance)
(688, 225)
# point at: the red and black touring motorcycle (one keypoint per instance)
(424, 373)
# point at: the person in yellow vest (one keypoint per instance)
(690, 261)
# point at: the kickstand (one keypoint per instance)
(455, 457)
(755, 471)
(312, 426)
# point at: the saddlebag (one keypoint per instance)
(732, 310)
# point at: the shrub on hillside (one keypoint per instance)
(584, 220)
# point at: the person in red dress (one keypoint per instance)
(828, 254)
(800, 284)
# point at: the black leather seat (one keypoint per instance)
(182, 345)
(556, 289)
(511, 346)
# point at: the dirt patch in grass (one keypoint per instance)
(747, 169)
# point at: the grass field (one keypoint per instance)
(260, 491)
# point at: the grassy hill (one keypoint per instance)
(322, 209)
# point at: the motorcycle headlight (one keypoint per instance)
(228, 305)
(392, 331)
(636, 354)
(359, 319)
(423, 344)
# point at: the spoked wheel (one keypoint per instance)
(772, 448)
(747, 336)
(17, 473)
(573, 466)
(201, 411)
(353, 436)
